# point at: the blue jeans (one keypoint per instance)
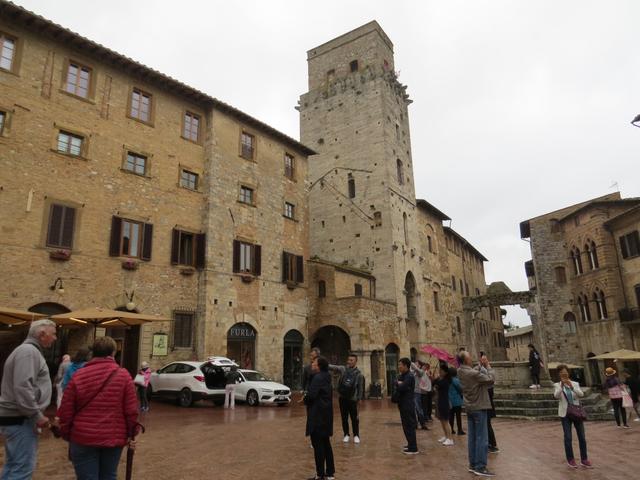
(477, 439)
(95, 463)
(568, 441)
(419, 411)
(21, 449)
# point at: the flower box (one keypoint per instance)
(60, 254)
(246, 278)
(187, 271)
(129, 265)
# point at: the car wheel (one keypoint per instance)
(185, 398)
(252, 398)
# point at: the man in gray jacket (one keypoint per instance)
(475, 389)
(350, 391)
(26, 393)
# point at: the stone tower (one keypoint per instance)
(362, 197)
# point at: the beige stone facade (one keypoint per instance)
(518, 340)
(584, 283)
(136, 191)
(364, 215)
(144, 210)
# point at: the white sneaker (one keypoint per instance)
(356, 439)
(448, 442)
(532, 386)
(636, 419)
(442, 439)
(346, 439)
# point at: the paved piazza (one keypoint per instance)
(206, 442)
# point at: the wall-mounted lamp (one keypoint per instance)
(57, 286)
(636, 121)
(130, 304)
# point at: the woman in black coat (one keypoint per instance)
(534, 365)
(319, 401)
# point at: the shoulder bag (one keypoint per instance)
(574, 412)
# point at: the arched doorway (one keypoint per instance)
(127, 344)
(241, 345)
(53, 355)
(292, 360)
(391, 357)
(334, 344)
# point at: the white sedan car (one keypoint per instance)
(255, 389)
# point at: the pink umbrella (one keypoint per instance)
(440, 354)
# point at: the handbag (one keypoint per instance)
(139, 380)
(627, 402)
(574, 412)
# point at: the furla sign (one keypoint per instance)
(244, 331)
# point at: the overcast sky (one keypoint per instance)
(520, 107)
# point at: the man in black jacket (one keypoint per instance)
(404, 394)
(319, 401)
(350, 392)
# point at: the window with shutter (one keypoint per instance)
(147, 242)
(61, 226)
(183, 329)
(116, 232)
(357, 289)
(247, 258)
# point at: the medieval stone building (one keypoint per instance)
(131, 190)
(585, 272)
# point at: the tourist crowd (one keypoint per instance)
(98, 405)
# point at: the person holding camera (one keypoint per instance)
(568, 392)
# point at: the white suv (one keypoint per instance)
(188, 382)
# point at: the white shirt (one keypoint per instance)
(562, 400)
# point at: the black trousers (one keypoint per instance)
(427, 404)
(349, 408)
(409, 426)
(323, 454)
(535, 377)
(492, 436)
(619, 411)
(457, 413)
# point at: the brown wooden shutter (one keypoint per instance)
(55, 225)
(116, 232)
(285, 266)
(175, 246)
(68, 227)
(147, 242)
(623, 247)
(236, 256)
(201, 243)
(299, 269)
(257, 257)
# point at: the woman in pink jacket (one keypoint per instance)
(142, 384)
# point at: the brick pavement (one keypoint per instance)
(207, 442)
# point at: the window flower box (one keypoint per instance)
(187, 271)
(246, 278)
(129, 264)
(60, 254)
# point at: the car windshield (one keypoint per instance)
(255, 377)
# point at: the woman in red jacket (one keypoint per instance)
(98, 415)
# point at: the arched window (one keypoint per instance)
(570, 322)
(406, 229)
(590, 248)
(583, 303)
(458, 325)
(601, 304)
(400, 172)
(576, 260)
(322, 289)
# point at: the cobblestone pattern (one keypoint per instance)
(210, 442)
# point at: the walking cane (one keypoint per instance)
(130, 452)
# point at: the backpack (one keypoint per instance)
(348, 383)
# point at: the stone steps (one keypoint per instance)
(540, 405)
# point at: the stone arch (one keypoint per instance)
(241, 344)
(570, 322)
(391, 357)
(292, 364)
(334, 343)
